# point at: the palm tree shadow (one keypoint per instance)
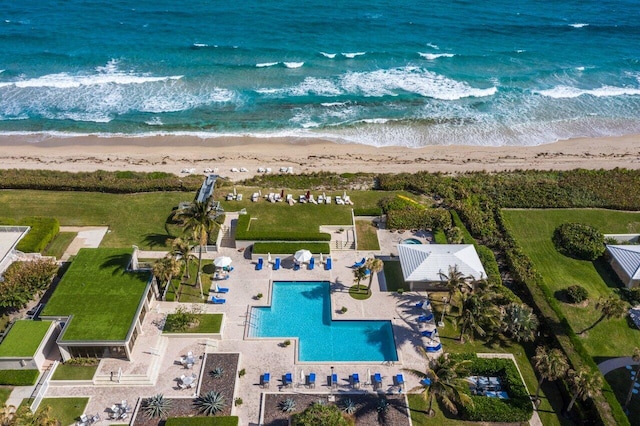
(118, 263)
(157, 240)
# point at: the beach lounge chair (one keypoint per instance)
(312, 200)
(359, 264)
(296, 266)
(260, 264)
(425, 318)
(288, 380)
(221, 289)
(334, 380)
(435, 348)
(239, 197)
(320, 199)
(217, 300)
(302, 199)
(312, 263)
(327, 199)
(266, 377)
(355, 380)
(430, 333)
(377, 381)
(276, 264)
(254, 197)
(399, 381)
(327, 265)
(425, 382)
(312, 380)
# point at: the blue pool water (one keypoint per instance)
(411, 241)
(303, 310)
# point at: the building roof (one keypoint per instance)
(628, 257)
(426, 262)
(9, 238)
(206, 190)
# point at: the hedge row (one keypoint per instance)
(370, 211)
(290, 248)
(517, 408)
(203, 421)
(43, 230)
(18, 377)
(98, 181)
(245, 233)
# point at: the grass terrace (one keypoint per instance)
(60, 243)
(367, 235)
(24, 338)
(65, 410)
(100, 294)
(533, 229)
(74, 372)
(206, 323)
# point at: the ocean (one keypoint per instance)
(377, 72)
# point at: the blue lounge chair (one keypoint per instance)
(399, 381)
(288, 380)
(312, 263)
(276, 264)
(259, 264)
(367, 272)
(334, 380)
(426, 381)
(425, 318)
(355, 380)
(359, 264)
(296, 266)
(421, 304)
(430, 333)
(221, 289)
(217, 300)
(266, 377)
(312, 380)
(327, 265)
(435, 348)
(377, 381)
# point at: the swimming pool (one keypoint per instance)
(303, 310)
(411, 241)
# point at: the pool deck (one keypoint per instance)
(155, 356)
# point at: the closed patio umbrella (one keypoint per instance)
(302, 378)
(222, 261)
(321, 260)
(302, 256)
(269, 257)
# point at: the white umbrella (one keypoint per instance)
(302, 256)
(222, 261)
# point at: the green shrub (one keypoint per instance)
(579, 240)
(576, 294)
(320, 414)
(43, 230)
(244, 233)
(18, 377)
(371, 211)
(203, 421)
(22, 280)
(290, 248)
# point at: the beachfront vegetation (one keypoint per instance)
(579, 240)
(23, 339)
(100, 293)
(18, 377)
(23, 280)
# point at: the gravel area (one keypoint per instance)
(366, 408)
(224, 385)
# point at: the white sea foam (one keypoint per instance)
(309, 86)
(67, 81)
(433, 46)
(328, 55)
(333, 104)
(155, 121)
(578, 25)
(293, 64)
(560, 92)
(266, 64)
(200, 45)
(432, 56)
(351, 55)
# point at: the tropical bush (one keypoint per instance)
(18, 377)
(43, 230)
(320, 414)
(210, 403)
(156, 406)
(181, 319)
(23, 280)
(576, 294)
(579, 240)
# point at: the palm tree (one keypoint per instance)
(358, 275)
(445, 381)
(584, 384)
(519, 321)
(42, 417)
(198, 221)
(165, 269)
(610, 307)
(7, 415)
(636, 358)
(182, 249)
(374, 266)
(477, 312)
(550, 364)
(456, 282)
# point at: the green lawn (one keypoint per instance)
(74, 372)
(290, 248)
(60, 243)
(24, 338)
(66, 410)
(620, 381)
(393, 276)
(208, 323)
(5, 391)
(138, 219)
(367, 235)
(533, 229)
(187, 289)
(102, 296)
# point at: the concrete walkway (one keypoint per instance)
(615, 363)
(88, 236)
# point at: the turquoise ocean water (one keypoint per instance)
(379, 72)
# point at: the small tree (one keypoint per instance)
(182, 248)
(320, 414)
(181, 319)
(456, 282)
(519, 322)
(579, 240)
(358, 275)
(454, 235)
(609, 307)
(550, 364)
(374, 266)
(477, 314)
(584, 384)
(577, 294)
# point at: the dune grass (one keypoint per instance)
(533, 229)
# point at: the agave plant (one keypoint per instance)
(383, 406)
(288, 405)
(217, 372)
(348, 406)
(156, 406)
(210, 403)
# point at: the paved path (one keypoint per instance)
(615, 363)
(88, 236)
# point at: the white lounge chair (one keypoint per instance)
(261, 170)
(239, 197)
(302, 199)
(327, 200)
(254, 197)
(268, 170)
(235, 170)
(283, 169)
(243, 169)
(339, 200)
(320, 199)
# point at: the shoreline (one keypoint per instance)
(174, 153)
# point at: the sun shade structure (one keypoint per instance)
(222, 261)
(625, 260)
(425, 266)
(302, 256)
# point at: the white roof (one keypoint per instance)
(425, 262)
(9, 238)
(628, 257)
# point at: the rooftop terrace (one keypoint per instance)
(24, 338)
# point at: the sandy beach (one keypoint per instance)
(175, 153)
